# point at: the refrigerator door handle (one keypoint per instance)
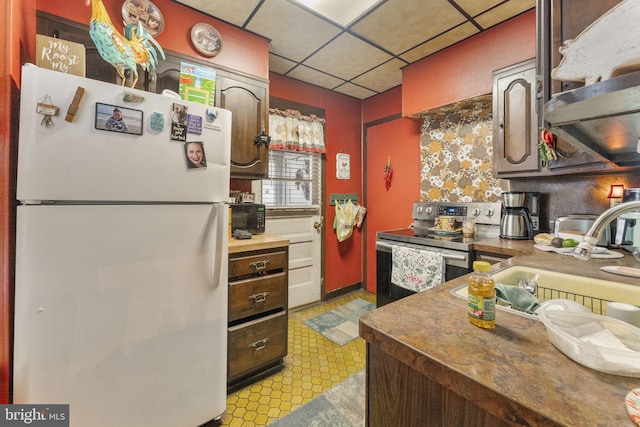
(216, 265)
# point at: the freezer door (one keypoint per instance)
(121, 312)
(79, 160)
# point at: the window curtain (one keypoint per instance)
(290, 130)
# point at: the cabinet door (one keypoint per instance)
(515, 122)
(249, 104)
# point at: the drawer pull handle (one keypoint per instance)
(261, 297)
(260, 265)
(259, 345)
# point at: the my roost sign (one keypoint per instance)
(60, 55)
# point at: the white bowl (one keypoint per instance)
(562, 305)
(597, 342)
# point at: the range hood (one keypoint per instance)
(602, 119)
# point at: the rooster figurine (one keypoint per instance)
(137, 46)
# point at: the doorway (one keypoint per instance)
(293, 195)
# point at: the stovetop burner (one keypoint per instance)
(487, 217)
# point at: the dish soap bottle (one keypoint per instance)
(482, 296)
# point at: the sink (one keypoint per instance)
(592, 293)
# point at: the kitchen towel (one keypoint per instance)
(520, 299)
(416, 269)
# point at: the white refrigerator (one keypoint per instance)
(121, 274)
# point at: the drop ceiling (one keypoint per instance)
(365, 57)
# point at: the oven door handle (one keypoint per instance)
(445, 255)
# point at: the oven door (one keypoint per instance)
(456, 264)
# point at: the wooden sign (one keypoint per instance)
(60, 55)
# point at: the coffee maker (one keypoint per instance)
(516, 221)
(532, 203)
(627, 225)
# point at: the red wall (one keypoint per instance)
(465, 70)
(379, 107)
(241, 50)
(390, 209)
(460, 72)
(343, 135)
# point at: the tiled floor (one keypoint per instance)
(314, 364)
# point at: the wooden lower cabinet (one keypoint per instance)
(257, 344)
(258, 317)
(398, 395)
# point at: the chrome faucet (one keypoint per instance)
(583, 251)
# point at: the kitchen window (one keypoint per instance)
(294, 179)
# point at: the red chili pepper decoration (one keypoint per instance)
(547, 147)
(388, 174)
(548, 137)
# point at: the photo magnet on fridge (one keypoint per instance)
(194, 155)
(178, 122)
(114, 118)
(179, 113)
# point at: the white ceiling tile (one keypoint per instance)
(280, 65)
(312, 76)
(504, 12)
(340, 11)
(384, 77)
(476, 7)
(355, 91)
(440, 42)
(346, 57)
(407, 23)
(331, 56)
(232, 11)
(294, 32)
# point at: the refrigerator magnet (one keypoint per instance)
(118, 119)
(211, 117)
(75, 104)
(194, 155)
(194, 124)
(156, 122)
(179, 113)
(47, 109)
(178, 132)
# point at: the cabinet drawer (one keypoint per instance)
(257, 295)
(252, 264)
(255, 344)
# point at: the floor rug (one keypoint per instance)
(342, 406)
(340, 325)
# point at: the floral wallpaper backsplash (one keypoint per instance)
(456, 153)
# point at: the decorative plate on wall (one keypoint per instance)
(206, 39)
(145, 12)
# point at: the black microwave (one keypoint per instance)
(248, 216)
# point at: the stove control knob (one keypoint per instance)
(475, 212)
(419, 209)
(429, 209)
(489, 212)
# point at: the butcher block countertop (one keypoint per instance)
(513, 372)
(257, 242)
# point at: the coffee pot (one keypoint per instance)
(516, 221)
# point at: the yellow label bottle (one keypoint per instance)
(482, 296)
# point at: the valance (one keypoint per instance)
(290, 130)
